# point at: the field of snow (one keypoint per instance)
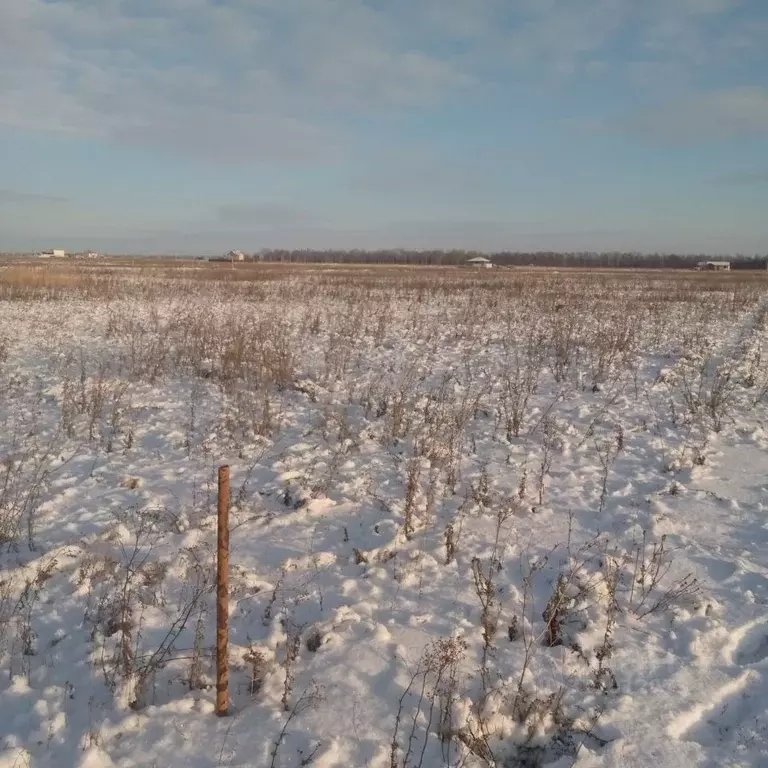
(509, 519)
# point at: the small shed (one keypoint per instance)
(480, 262)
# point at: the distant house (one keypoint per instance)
(54, 253)
(714, 266)
(480, 262)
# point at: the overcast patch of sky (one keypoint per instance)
(286, 119)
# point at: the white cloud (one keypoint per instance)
(242, 81)
(698, 37)
(277, 80)
(462, 19)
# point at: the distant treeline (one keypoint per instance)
(509, 258)
(460, 257)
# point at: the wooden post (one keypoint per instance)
(222, 596)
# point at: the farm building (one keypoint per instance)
(54, 253)
(714, 266)
(480, 262)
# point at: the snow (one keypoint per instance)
(379, 497)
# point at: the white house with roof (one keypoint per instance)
(714, 266)
(480, 262)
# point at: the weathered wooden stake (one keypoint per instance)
(222, 596)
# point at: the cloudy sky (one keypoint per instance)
(196, 126)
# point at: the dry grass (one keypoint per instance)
(431, 361)
(100, 279)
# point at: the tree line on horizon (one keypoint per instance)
(458, 257)
(508, 258)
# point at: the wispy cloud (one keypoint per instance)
(713, 116)
(704, 6)
(276, 81)
(238, 81)
(411, 174)
(266, 215)
(12, 197)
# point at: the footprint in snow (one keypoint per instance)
(734, 720)
(753, 647)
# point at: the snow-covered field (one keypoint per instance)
(510, 519)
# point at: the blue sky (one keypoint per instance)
(195, 126)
